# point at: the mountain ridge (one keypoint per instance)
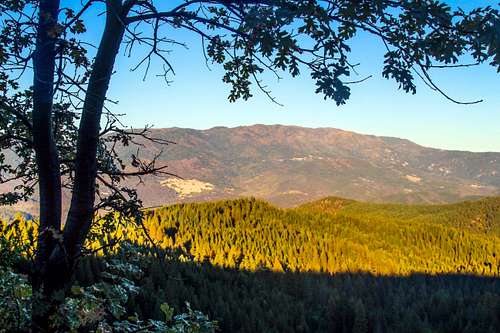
(291, 165)
(385, 137)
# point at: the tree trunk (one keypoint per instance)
(81, 211)
(56, 263)
(47, 158)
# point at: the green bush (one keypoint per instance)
(98, 307)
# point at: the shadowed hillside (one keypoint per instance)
(271, 302)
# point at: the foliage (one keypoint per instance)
(250, 234)
(481, 216)
(331, 235)
(97, 307)
(267, 301)
(15, 295)
(328, 266)
(261, 269)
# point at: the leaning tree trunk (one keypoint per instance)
(59, 259)
(47, 160)
(81, 211)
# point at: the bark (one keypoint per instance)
(56, 259)
(46, 154)
(81, 210)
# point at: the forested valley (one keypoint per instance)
(333, 265)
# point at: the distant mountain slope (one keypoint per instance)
(290, 165)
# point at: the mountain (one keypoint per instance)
(290, 165)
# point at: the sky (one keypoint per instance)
(197, 98)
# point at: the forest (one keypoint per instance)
(333, 265)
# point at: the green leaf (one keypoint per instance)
(168, 311)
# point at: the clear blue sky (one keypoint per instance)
(197, 98)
